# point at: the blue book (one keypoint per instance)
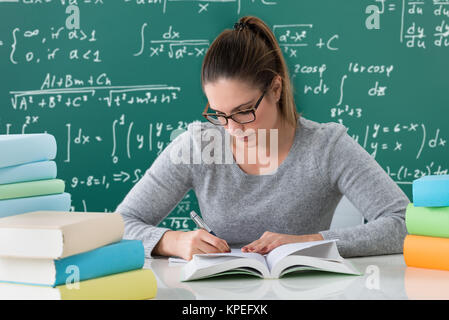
(41, 170)
(54, 202)
(122, 256)
(431, 191)
(23, 148)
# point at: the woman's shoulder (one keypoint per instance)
(320, 132)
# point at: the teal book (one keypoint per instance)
(431, 191)
(118, 257)
(40, 170)
(55, 202)
(23, 148)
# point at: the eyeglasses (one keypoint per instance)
(242, 117)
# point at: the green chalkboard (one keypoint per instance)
(114, 90)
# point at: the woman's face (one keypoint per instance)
(227, 96)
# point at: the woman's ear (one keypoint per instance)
(276, 87)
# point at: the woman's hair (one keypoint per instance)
(250, 53)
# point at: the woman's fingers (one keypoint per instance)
(214, 243)
(253, 245)
(260, 246)
(263, 245)
(199, 242)
(205, 247)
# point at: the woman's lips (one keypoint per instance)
(243, 138)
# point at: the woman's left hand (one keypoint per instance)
(270, 240)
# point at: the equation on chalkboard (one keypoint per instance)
(113, 80)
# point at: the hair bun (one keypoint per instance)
(239, 26)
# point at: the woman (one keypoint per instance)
(254, 202)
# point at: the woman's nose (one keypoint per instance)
(234, 127)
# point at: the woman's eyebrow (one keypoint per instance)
(242, 105)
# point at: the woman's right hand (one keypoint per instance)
(185, 244)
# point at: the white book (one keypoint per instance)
(57, 234)
(293, 257)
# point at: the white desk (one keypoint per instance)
(384, 277)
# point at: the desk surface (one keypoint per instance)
(384, 277)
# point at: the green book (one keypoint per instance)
(31, 188)
(427, 221)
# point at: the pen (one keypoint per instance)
(200, 223)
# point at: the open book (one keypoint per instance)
(316, 255)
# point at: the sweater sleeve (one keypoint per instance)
(348, 167)
(157, 193)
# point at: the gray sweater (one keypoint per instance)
(300, 197)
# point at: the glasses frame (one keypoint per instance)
(252, 109)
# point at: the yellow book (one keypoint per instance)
(132, 285)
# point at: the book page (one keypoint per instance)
(234, 253)
(214, 264)
(176, 260)
(206, 261)
(285, 250)
(293, 263)
(55, 219)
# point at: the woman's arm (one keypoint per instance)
(164, 184)
(156, 194)
(350, 170)
(345, 165)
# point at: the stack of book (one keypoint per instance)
(70, 256)
(28, 175)
(427, 222)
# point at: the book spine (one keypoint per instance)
(24, 148)
(431, 192)
(427, 221)
(132, 285)
(426, 252)
(85, 236)
(40, 170)
(31, 189)
(57, 202)
(115, 258)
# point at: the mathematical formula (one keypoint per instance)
(99, 88)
